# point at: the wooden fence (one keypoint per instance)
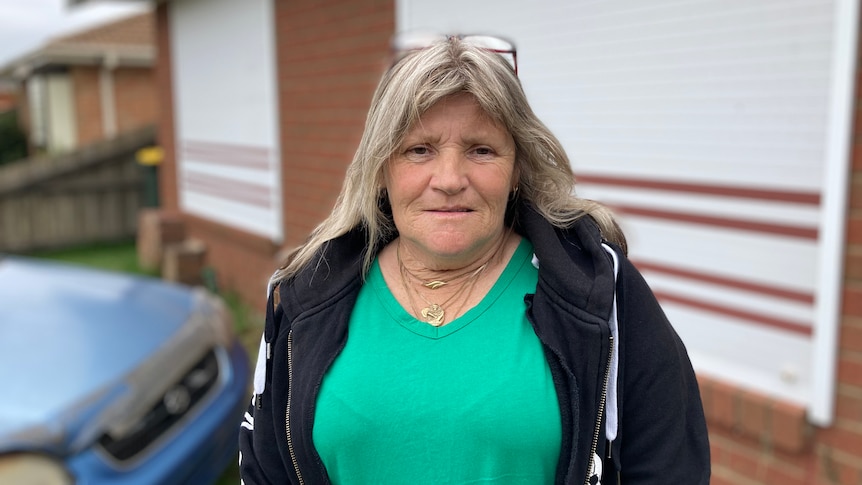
(88, 196)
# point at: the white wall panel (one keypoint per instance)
(715, 127)
(225, 106)
(780, 262)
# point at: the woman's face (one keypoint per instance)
(449, 182)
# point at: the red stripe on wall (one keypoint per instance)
(764, 227)
(246, 156)
(734, 283)
(751, 317)
(230, 190)
(807, 198)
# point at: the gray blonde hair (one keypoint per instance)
(409, 88)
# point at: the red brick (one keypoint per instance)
(853, 264)
(856, 153)
(330, 56)
(704, 384)
(135, 100)
(850, 369)
(88, 104)
(783, 473)
(245, 261)
(135, 97)
(848, 404)
(717, 453)
(850, 337)
(168, 196)
(852, 304)
(184, 262)
(841, 438)
(833, 469)
(790, 431)
(754, 414)
(856, 191)
(723, 404)
(857, 121)
(854, 229)
(743, 461)
(717, 479)
(156, 230)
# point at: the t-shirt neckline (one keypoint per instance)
(399, 314)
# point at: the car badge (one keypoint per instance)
(177, 400)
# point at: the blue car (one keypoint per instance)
(111, 378)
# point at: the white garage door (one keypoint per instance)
(225, 107)
(719, 130)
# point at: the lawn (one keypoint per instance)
(122, 257)
(115, 257)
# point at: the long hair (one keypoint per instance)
(407, 90)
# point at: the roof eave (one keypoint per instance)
(78, 55)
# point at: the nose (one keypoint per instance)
(449, 173)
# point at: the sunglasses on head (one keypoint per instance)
(413, 41)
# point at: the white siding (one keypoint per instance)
(225, 105)
(714, 127)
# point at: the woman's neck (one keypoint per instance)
(429, 267)
(438, 291)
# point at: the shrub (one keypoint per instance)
(13, 142)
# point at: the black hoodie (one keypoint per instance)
(660, 432)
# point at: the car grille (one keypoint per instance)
(174, 405)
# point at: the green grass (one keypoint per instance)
(114, 257)
(123, 257)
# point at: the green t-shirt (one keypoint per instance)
(469, 402)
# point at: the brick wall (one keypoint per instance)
(243, 262)
(8, 100)
(165, 100)
(134, 100)
(88, 104)
(756, 440)
(330, 55)
(134, 97)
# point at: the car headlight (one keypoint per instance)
(33, 469)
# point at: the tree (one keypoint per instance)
(13, 142)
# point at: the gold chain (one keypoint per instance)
(435, 314)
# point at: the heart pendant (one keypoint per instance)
(433, 314)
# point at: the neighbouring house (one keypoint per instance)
(724, 133)
(8, 95)
(87, 86)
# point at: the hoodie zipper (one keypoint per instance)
(601, 410)
(287, 410)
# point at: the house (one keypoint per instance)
(8, 96)
(724, 133)
(87, 86)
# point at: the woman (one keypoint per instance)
(461, 317)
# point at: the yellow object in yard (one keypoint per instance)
(150, 155)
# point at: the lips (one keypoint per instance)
(452, 209)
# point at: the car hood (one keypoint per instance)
(69, 336)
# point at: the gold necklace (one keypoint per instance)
(434, 284)
(435, 313)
